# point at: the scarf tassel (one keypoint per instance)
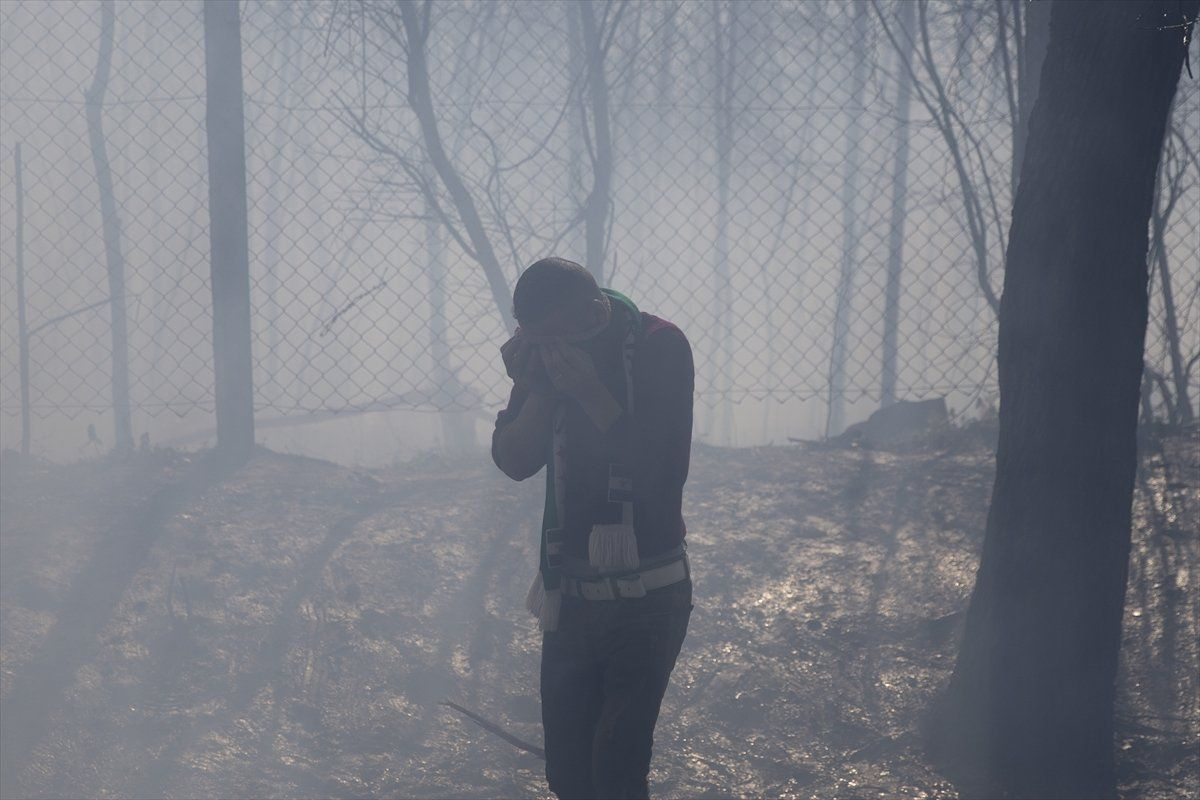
(543, 603)
(613, 547)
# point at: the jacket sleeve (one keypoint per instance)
(663, 418)
(516, 399)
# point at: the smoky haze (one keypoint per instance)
(818, 193)
(752, 193)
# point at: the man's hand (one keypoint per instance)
(523, 364)
(514, 352)
(571, 371)
(574, 374)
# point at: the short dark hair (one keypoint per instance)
(549, 284)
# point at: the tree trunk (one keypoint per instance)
(664, 79)
(835, 420)
(770, 272)
(576, 118)
(598, 205)
(724, 40)
(111, 224)
(1029, 709)
(458, 426)
(22, 327)
(457, 423)
(626, 119)
(277, 193)
(1159, 219)
(899, 212)
(224, 123)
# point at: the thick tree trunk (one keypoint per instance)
(111, 224)
(1030, 705)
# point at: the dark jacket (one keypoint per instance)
(660, 434)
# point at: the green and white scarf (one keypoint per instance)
(611, 547)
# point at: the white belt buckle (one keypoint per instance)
(631, 586)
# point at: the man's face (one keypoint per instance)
(577, 327)
(569, 326)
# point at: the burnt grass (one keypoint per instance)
(289, 629)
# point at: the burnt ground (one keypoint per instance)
(289, 629)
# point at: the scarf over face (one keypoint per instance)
(612, 543)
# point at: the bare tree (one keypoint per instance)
(111, 226)
(725, 47)
(968, 155)
(576, 123)
(458, 425)
(664, 80)
(794, 215)
(597, 208)
(407, 24)
(899, 211)
(277, 190)
(415, 24)
(835, 419)
(1177, 161)
(457, 404)
(22, 327)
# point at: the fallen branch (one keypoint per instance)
(492, 727)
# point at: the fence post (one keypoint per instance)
(228, 237)
(22, 329)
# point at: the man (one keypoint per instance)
(602, 398)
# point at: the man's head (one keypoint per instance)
(556, 299)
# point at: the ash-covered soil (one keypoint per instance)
(289, 629)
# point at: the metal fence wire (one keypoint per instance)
(816, 192)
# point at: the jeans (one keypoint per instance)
(604, 673)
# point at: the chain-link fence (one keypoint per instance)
(816, 192)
